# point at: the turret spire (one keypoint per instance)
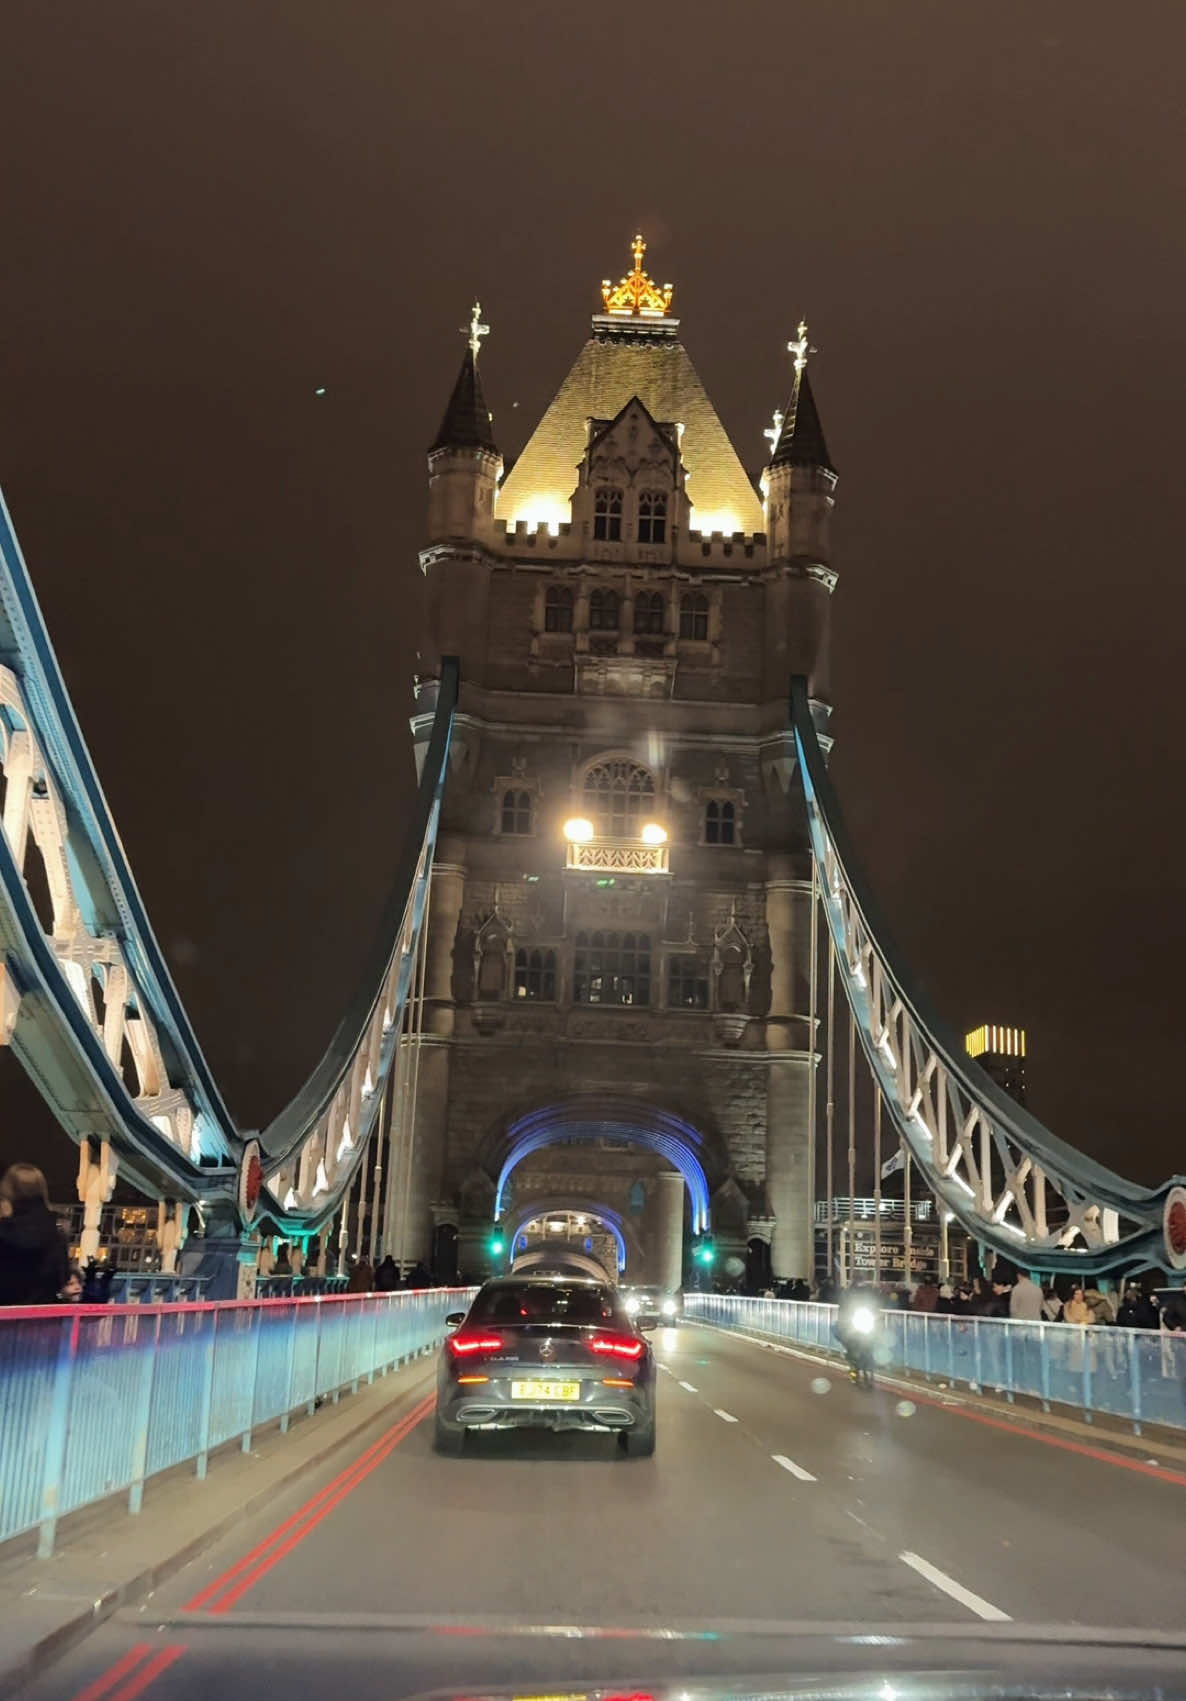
(801, 441)
(466, 424)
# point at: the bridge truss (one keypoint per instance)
(1014, 1185)
(86, 998)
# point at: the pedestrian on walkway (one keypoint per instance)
(386, 1276)
(362, 1277)
(1137, 1311)
(1077, 1310)
(1025, 1301)
(33, 1259)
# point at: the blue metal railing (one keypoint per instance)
(96, 1399)
(1136, 1374)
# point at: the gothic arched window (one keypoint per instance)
(652, 516)
(648, 612)
(720, 823)
(558, 609)
(619, 797)
(612, 968)
(693, 616)
(535, 975)
(603, 611)
(607, 515)
(516, 812)
(687, 984)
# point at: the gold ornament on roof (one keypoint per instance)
(636, 296)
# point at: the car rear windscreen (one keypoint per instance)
(537, 1303)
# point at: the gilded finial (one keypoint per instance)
(475, 330)
(801, 348)
(773, 432)
(636, 296)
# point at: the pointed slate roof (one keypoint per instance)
(613, 367)
(466, 424)
(802, 441)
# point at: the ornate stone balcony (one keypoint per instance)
(617, 856)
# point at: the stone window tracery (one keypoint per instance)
(535, 975)
(648, 613)
(652, 516)
(607, 515)
(603, 611)
(619, 796)
(720, 822)
(693, 616)
(687, 984)
(612, 968)
(516, 812)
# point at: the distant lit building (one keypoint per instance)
(1000, 1052)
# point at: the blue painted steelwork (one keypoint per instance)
(174, 1137)
(1014, 1185)
(668, 1135)
(94, 1400)
(1135, 1374)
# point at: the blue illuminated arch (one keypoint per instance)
(657, 1131)
(529, 1210)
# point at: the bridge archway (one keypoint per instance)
(699, 1159)
(624, 1233)
(569, 1257)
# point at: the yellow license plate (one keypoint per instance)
(545, 1390)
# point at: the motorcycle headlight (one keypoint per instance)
(863, 1320)
(632, 1304)
(669, 1308)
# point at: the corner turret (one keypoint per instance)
(464, 464)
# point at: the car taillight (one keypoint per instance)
(618, 1346)
(465, 1346)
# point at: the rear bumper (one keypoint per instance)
(599, 1408)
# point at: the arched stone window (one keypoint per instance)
(535, 975)
(516, 812)
(558, 609)
(648, 613)
(619, 796)
(603, 611)
(693, 616)
(720, 822)
(652, 516)
(607, 515)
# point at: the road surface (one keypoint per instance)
(778, 1493)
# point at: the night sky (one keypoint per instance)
(211, 211)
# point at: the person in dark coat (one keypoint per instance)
(1136, 1310)
(386, 1276)
(34, 1263)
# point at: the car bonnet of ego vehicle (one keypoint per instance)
(546, 1352)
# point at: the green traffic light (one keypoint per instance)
(497, 1245)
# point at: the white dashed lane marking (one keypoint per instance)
(974, 1603)
(689, 1387)
(725, 1417)
(790, 1465)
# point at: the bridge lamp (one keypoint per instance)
(654, 834)
(578, 831)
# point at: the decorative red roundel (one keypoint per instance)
(1175, 1227)
(251, 1179)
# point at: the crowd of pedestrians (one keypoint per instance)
(1015, 1295)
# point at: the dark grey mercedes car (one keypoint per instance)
(546, 1352)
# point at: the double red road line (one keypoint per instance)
(132, 1674)
(221, 1595)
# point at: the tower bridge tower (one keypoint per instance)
(616, 1009)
